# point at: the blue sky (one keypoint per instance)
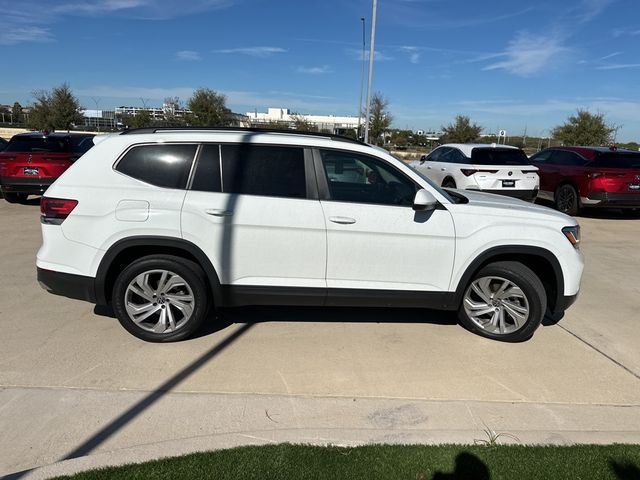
(508, 64)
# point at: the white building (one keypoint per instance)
(331, 123)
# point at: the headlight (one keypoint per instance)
(573, 235)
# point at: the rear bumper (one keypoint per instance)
(528, 195)
(68, 285)
(615, 199)
(31, 186)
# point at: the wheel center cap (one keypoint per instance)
(161, 301)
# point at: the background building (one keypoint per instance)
(324, 123)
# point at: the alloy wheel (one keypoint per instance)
(496, 305)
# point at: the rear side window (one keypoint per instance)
(38, 144)
(160, 165)
(498, 156)
(206, 177)
(617, 160)
(564, 157)
(263, 170)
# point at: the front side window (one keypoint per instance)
(264, 170)
(437, 154)
(563, 157)
(542, 156)
(160, 165)
(361, 179)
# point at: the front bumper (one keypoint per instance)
(630, 200)
(30, 186)
(68, 285)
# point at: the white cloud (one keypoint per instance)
(611, 55)
(587, 10)
(11, 36)
(261, 52)
(188, 56)
(377, 55)
(618, 66)
(413, 52)
(528, 54)
(315, 70)
(623, 32)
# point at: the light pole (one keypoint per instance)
(97, 101)
(371, 50)
(362, 77)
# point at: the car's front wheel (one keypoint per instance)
(504, 301)
(161, 298)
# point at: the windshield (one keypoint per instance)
(38, 144)
(617, 160)
(499, 156)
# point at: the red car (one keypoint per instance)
(32, 161)
(577, 177)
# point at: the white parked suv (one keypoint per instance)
(490, 168)
(164, 224)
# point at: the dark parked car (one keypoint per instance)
(33, 161)
(578, 177)
(3, 144)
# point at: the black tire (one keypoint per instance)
(194, 285)
(534, 293)
(567, 200)
(13, 197)
(449, 183)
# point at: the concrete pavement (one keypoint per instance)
(75, 384)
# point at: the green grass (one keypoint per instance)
(619, 462)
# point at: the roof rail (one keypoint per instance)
(147, 130)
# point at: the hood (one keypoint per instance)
(512, 206)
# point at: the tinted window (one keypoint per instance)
(454, 156)
(362, 179)
(617, 160)
(542, 156)
(499, 156)
(81, 144)
(161, 165)
(437, 154)
(563, 157)
(263, 170)
(38, 144)
(207, 173)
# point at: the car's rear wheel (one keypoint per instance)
(161, 298)
(449, 183)
(504, 301)
(13, 197)
(567, 199)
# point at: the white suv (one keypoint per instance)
(501, 169)
(163, 224)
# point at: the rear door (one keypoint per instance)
(255, 212)
(375, 239)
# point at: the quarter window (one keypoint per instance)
(160, 165)
(361, 179)
(263, 170)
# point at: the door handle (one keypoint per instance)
(342, 220)
(218, 212)
(443, 169)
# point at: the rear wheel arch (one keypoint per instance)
(541, 261)
(123, 252)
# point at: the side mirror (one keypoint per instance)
(424, 201)
(423, 159)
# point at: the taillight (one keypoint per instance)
(55, 210)
(470, 171)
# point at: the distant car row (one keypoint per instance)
(571, 177)
(31, 162)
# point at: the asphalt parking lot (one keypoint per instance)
(75, 385)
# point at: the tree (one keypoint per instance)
(56, 109)
(171, 118)
(461, 131)
(141, 119)
(209, 108)
(585, 128)
(380, 118)
(302, 124)
(16, 110)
